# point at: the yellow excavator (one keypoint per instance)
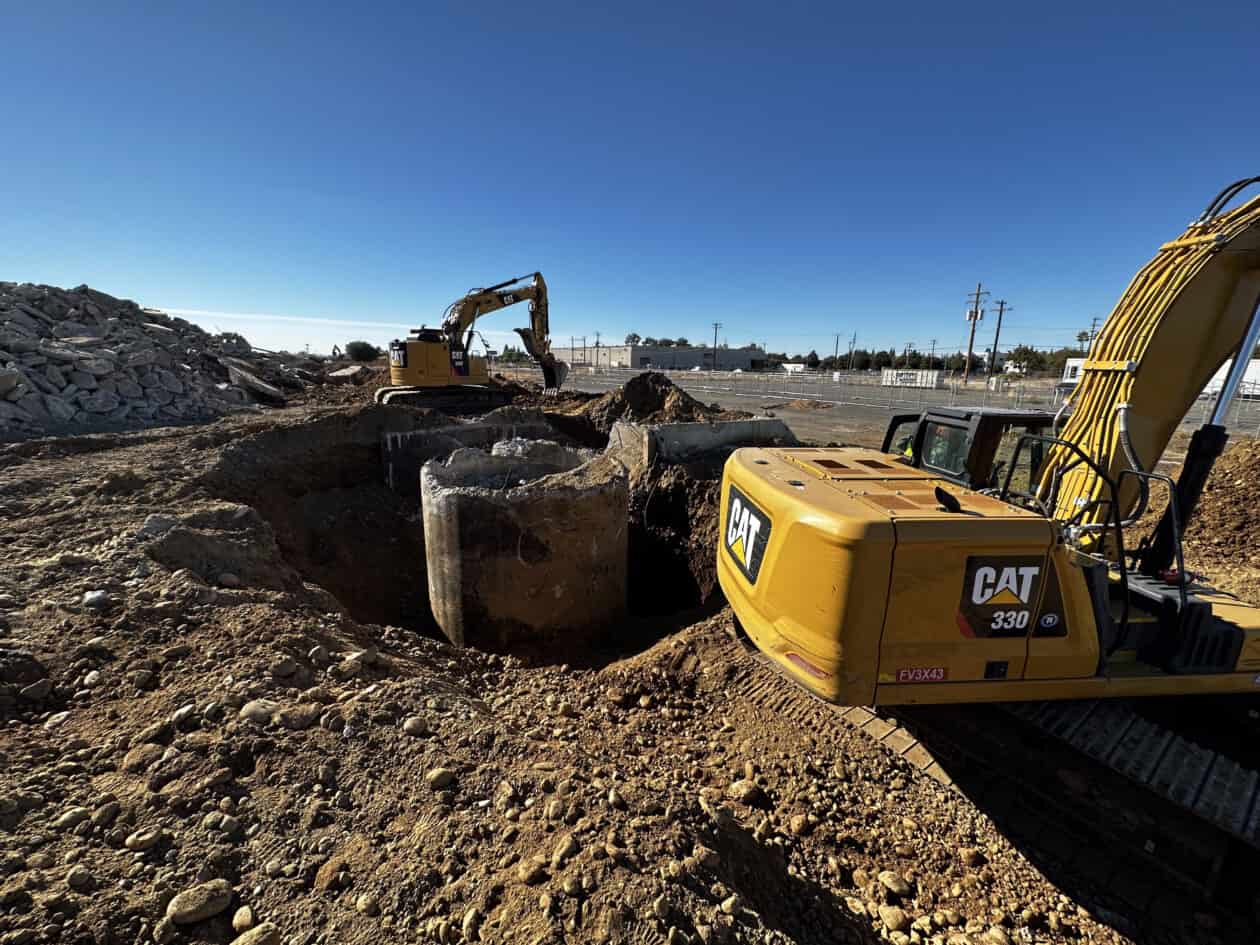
(993, 556)
(435, 367)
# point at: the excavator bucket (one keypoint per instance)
(554, 374)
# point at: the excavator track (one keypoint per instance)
(456, 399)
(1156, 850)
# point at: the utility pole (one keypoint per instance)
(852, 349)
(584, 349)
(597, 350)
(974, 314)
(1002, 307)
(835, 355)
(1093, 330)
(932, 355)
(716, 326)
(571, 358)
(906, 354)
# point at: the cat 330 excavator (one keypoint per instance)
(435, 367)
(990, 556)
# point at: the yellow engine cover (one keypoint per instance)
(842, 565)
(416, 363)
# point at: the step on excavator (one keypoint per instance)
(435, 367)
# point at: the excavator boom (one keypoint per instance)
(1184, 314)
(464, 313)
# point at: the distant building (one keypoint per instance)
(667, 359)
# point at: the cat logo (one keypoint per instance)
(1008, 586)
(999, 595)
(747, 533)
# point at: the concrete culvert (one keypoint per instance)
(527, 547)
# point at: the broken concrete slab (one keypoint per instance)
(637, 443)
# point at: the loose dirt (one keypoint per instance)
(799, 405)
(217, 715)
(1219, 542)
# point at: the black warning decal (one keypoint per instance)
(747, 533)
(999, 594)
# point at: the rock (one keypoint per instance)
(415, 726)
(92, 679)
(101, 401)
(566, 848)
(894, 882)
(801, 825)
(746, 792)
(258, 711)
(530, 872)
(730, 905)
(71, 818)
(894, 918)
(9, 380)
(367, 904)
(80, 879)
(996, 936)
(96, 600)
(268, 933)
(283, 667)
(355, 374)
(229, 580)
(144, 839)
(471, 925)
(439, 778)
(200, 902)
(299, 717)
(243, 919)
(37, 691)
(970, 856)
(142, 757)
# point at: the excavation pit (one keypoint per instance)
(525, 546)
(324, 513)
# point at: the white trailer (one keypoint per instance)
(893, 377)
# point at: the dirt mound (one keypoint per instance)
(651, 397)
(673, 532)
(1220, 540)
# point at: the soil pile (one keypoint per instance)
(651, 397)
(673, 534)
(1220, 541)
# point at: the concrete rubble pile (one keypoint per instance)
(79, 357)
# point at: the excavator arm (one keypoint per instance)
(1185, 313)
(463, 313)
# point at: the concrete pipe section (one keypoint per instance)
(525, 545)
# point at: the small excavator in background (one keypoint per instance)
(435, 367)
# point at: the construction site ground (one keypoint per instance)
(233, 720)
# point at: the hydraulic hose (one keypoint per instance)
(1173, 327)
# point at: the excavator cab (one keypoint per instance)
(971, 446)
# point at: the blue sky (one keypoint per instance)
(790, 170)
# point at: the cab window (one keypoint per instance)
(901, 439)
(1030, 457)
(945, 448)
